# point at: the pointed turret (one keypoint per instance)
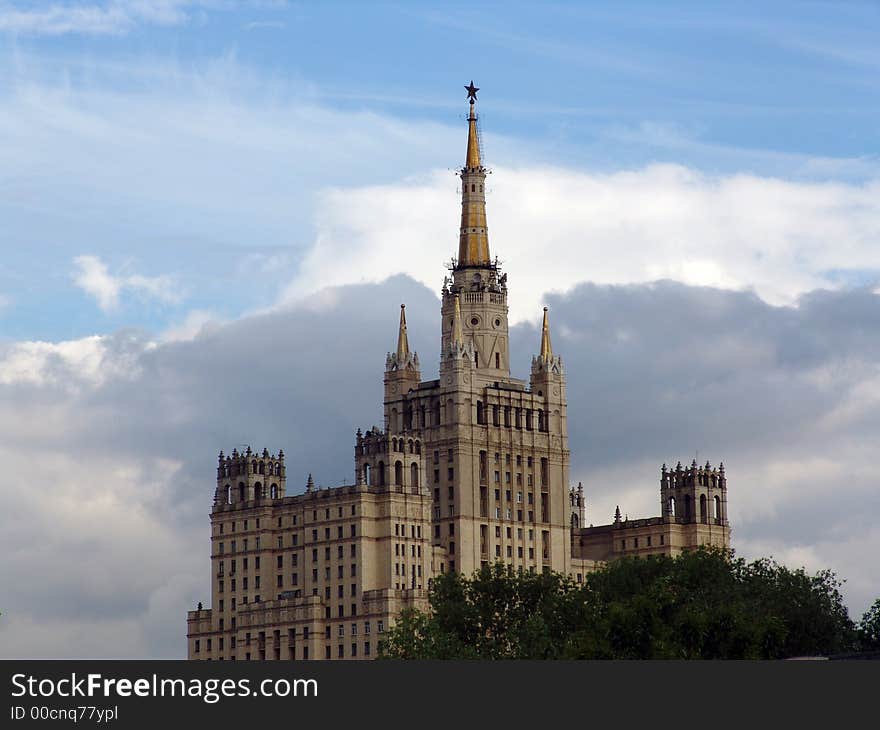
(546, 361)
(402, 341)
(310, 484)
(546, 347)
(473, 246)
(403, 360)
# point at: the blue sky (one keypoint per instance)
(784, 90)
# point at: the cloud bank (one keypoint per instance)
(110, 449)
(555, 228)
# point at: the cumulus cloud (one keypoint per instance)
(92, 276)
(557, 227)
(119, 435)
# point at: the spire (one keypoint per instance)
(402, 360)
(310, 484)
(546, 361)
(457, 336)
(546, 348)
(402, 341)
(473, 245)
(473, 146)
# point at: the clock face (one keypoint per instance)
(394, 388)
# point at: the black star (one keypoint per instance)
(472, 92)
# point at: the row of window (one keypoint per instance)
(522, 417)
(293, 518)
(294, 540)
(635, 542)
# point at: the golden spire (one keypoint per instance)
(473, 245)
(546, 348)
(402, 341)
(473, 147)
(457, 336)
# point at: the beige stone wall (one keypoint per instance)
(286, 571)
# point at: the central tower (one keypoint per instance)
(494, 449)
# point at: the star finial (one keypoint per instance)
(472, 92)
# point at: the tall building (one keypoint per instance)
(470, 468)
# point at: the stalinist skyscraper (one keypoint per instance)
(470, 468)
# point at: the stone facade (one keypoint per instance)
(470, 468)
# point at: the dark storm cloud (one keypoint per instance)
(110, 480)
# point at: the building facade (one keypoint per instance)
(471, 468)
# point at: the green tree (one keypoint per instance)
(869, 628)
(702, 604)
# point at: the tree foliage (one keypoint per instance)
(869, 628)
(702, 604)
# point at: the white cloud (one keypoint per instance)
(195, 322)
(112, 17)
(556, 227)
(92, 276)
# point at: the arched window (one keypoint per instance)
(574, 521)
(540, 420)
(254, 467)
(436, 413)
(717, 502)
(672, 506)
(480, 416)
(262, 468)
(277, 469)
(410, 446)
(273, 491)
(704, 517)
(414, 475)
(418, 447)
(473, 188)
(367, 474)
(241, 492)
(258, 491)
(380, 477)
(227, 494)
(394, 442)
(688, 507)
(398, 472)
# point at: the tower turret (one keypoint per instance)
(402, 365)
(694, 494)
(250, 477)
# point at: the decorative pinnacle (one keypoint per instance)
(472, 92)
(402, 341)
(310, 484)
(457, 336)
(546, 348)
